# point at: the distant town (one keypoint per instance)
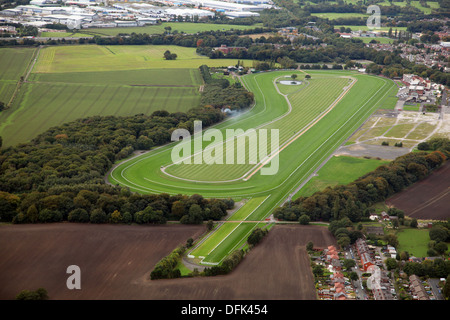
(93, 14)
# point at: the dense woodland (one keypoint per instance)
(60, 175)
(220, 94)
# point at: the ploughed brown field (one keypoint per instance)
(428, 198)
(116, 260)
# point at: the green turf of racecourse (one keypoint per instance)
(307, 105)
(297, 161)
(225, 239)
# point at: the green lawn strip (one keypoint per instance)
(366, 28)
(231, 242)
(390, 99)
(415, 107)
(379, 39)
(415, 241)
(143, 77)
(246, 209)
(186, 27)
(49, 34)
(14, 62)
(7, 88)
(213, 240)
(336, 15)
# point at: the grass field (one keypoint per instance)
(379, 39)
(57, 35)
(336, 15)
(339, 170)
(93, 58)
(366, 28)
(13, 65)
(307, 149)
(186, 27)
(415, 241)
(71, 82)
(415, 4)
(412, 107)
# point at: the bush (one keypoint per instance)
(439, 233)
(39, 294)
(78, 215)
(304, 219)
(47, 215)
(166, 267)
(424, 146)
(227, 266)
(98, 216)
(256, 236)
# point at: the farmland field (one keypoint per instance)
(310, 130)
(416, 4)
(427, 199)
(123, 262)
(14, 63)
(71, 82)
(93, 58)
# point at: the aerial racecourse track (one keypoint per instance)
(312, 119)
